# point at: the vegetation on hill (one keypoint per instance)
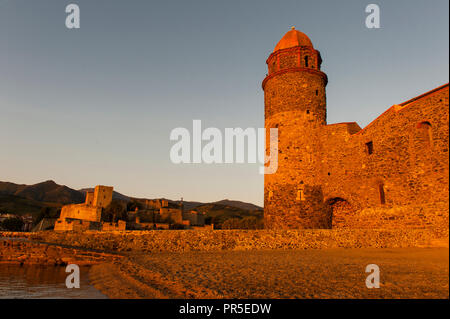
(238, 204)
(116, 210)
(217, 214)
(21, 206)
(12, 224)
(46, 212)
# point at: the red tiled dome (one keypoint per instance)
(293, 38)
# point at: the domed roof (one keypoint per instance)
(293, 38)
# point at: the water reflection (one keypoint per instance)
(43, 282)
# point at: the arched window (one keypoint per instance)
(306, 61)
(424, 133)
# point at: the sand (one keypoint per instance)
(325, 273)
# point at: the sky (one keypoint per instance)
(96, 105)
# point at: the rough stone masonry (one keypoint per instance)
(394, 173)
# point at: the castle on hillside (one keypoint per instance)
(393, 173)
(88, 215)
(158, 214)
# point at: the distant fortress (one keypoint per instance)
(393, 173)
(88, 215)
(159, 214)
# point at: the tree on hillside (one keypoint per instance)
(231, 223)
(133, 204)
(46, 212)
(12, 224)
(208, 220)
(251, 222)
(115, 211)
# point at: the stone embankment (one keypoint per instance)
(214, 240)
(8, 234)
(24, 252)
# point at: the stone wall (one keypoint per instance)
(102, 196)
(23, 252)
(407, 170)
(425, 216)
(405, 165)
(75, 224)
(174, 214)
(81, 211)
(120, 225)
(295, 103)
(210, 240)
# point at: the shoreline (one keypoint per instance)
(196, 264)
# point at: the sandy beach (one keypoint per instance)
(325, 273)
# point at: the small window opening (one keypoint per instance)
(307, 111)
(369, 147)
(300, 195)
(382, 194)
(306, 61)
(301, 192)
(317, 92)
(425, 132)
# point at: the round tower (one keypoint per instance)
(295, 103)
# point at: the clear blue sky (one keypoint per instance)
(96, 105)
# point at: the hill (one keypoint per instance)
(47, 191)
(218, 213)
(22, 206)
(238, 204)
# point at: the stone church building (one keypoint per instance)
(393, 173)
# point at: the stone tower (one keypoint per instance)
(295, 103)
